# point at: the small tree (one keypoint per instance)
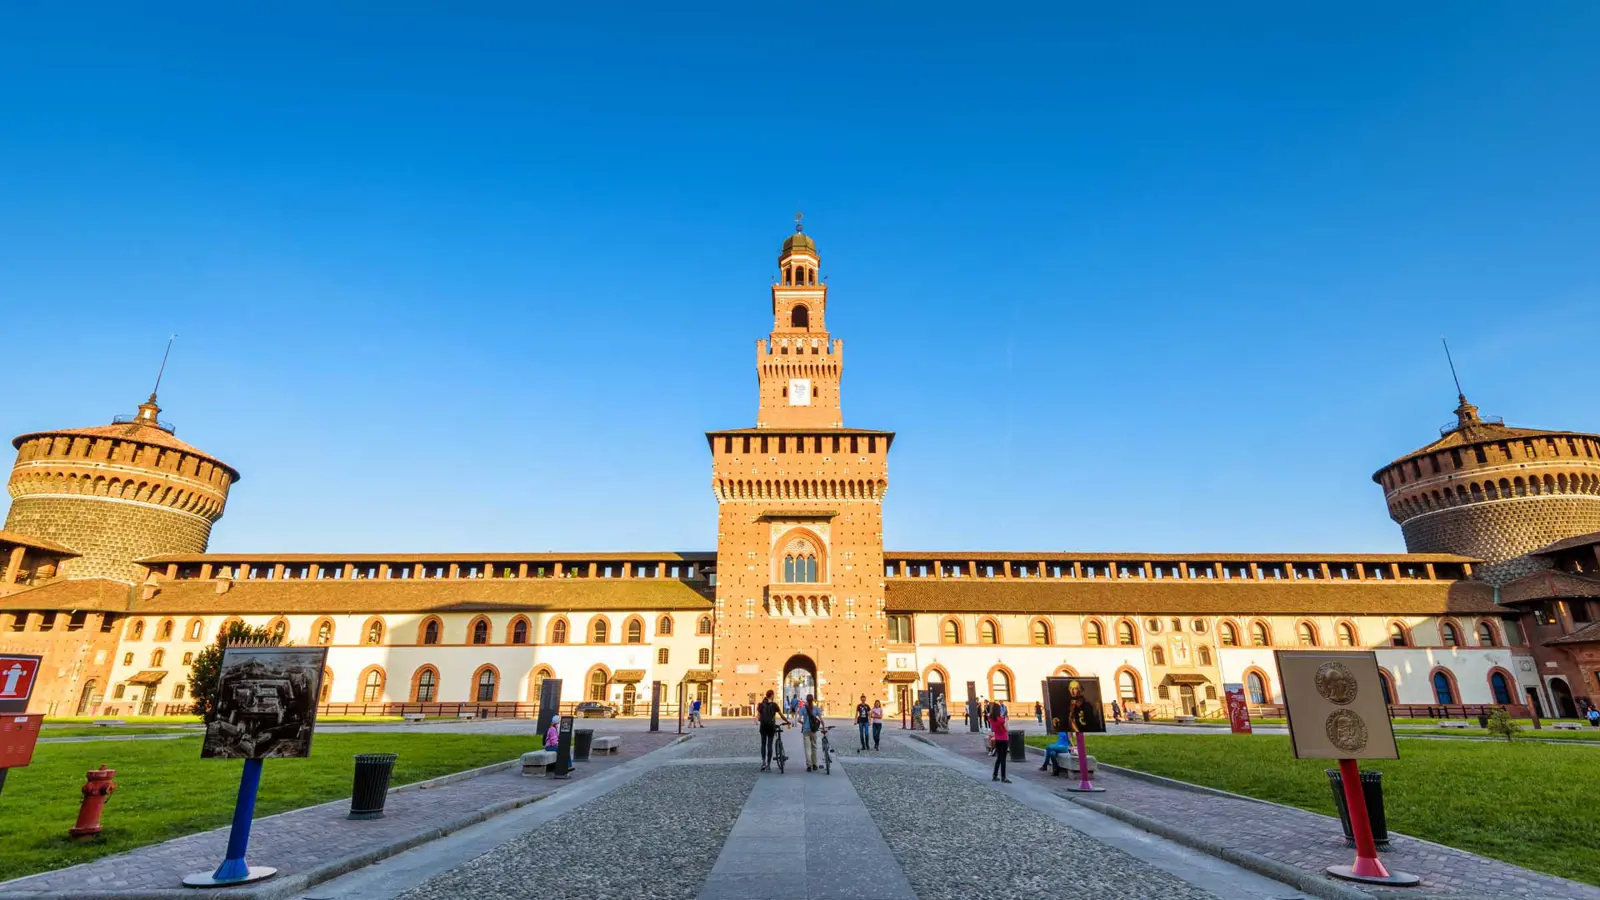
(1501, 723)
(208, 664)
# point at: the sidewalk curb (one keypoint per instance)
(1293, 876)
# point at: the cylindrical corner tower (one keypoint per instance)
(117, 493)
(1495, 493)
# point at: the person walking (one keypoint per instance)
(1116, 713)
(1038, 713)
(863, 716)
(767, 714)
(694, 714)
(997, 726)
(810, 725)
(877, 722)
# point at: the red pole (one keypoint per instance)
(1367, 864)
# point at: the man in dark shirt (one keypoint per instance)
(767, 714)
(863, 716)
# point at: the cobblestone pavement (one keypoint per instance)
(956, 839)
(656, 837)
(306, 839)
(1305, 840)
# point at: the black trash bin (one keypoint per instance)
(582, 738)
(371, 787)
(1372, 789)
(1483, 720)
(1019, 750)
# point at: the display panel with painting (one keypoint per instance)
(266, 703)
(1072, 704)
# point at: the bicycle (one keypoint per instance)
(827, 751)
(777, 748)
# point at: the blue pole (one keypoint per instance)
(233, 867)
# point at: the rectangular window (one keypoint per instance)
(118, 692)
(899, 629)
(179, 691)
(127, 659)
(661, 657)
(705, 656)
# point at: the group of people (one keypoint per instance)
(869, 721)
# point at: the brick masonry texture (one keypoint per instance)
(109, 535)
(1501, 531)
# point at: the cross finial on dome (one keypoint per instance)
(798, 216)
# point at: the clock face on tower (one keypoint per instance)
(799, 392)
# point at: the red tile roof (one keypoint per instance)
(1182, 596)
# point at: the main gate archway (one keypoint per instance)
(799, 678)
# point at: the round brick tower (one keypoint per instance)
(1495, 493)
(117, 493)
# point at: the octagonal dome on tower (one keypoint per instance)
(116, 493)
(799, 242)
(1493, 492)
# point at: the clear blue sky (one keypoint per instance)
(1163, 279)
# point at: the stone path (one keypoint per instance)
(1305, 840)
(310, 840)
(821, 840)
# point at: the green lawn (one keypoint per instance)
(1525, 803)
(131, 720)
(1591, 736)
(165, 790)
(55, 731)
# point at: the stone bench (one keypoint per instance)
(1068, 762)
(413, 717)
(538, 762)
(610, 743)
(105, 722)
(1454, 723)
(466, 715)
(1183, 720)
(1566, 726)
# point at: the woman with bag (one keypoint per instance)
(1001, 737)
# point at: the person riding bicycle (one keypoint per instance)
(810, 727)
(767, 715)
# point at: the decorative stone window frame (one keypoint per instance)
(422, 631)
(416, 683)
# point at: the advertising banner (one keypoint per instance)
(1238, 708)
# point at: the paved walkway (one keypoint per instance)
(319, 838)
(1306, 840)
(826, 817)
(905, 822)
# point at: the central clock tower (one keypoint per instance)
(800, 577)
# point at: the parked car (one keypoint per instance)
(594, 709)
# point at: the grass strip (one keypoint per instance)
(165, 790)
(1522, 802)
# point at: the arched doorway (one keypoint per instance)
(629, 697)
(799, 678)
(1561, 699)
(88, 698)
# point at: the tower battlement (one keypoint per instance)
(116, 493)
(1495, 493)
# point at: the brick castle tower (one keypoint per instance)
(116, 493)
(1495, 493)
(800, 573)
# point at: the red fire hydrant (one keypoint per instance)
(95, 791)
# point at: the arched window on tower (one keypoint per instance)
(800, 317)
